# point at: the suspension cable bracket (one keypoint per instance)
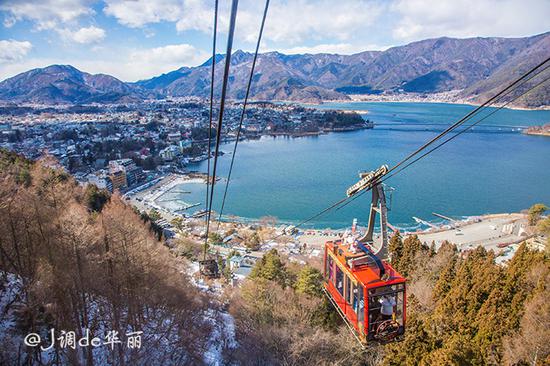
(368, 180)
(371, 180)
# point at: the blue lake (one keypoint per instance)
(489, 170)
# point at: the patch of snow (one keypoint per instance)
(222, 337)
(193, 268)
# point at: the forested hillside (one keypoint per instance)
(282, 318)
(70, 263)
(74, 259)
(466, 310)
(463, 310)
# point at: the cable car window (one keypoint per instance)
(339, 280)
(330, 269)
(399, 308)
(355, 293)
(359, 302)
(378, 291)
(349, 286)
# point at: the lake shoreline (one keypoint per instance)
(415, 100)
(501, 233)
(174, 180)
(294, 178)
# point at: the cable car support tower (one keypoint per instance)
(373, 250)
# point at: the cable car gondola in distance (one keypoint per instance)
(366, 291)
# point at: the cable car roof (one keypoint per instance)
(367, 274)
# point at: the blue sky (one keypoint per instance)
(137, 39)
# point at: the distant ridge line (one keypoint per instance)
(475, 67)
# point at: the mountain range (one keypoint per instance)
(473, 68)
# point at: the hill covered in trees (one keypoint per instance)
(463, 310)
(466, 310)
(74, 258)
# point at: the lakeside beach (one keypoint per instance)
(499, 232)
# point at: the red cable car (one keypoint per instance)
(361, 291)
(367, 292)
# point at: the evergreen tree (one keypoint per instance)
(177, 222)
(309, 281)
(413, 250)
(95, 198)
(501, 313)
(215, 238)
(456, 351)
(253, 242)
(417, 344)
(544, 228)
(396, 248)
(432, 249)
(446, 278)
(271, 268)
(154, 215)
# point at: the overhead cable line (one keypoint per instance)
(244, 110)
(212, 72)
(467, 116)
(451, 138)
(527, 76)
(518, 83)
(230, 35)
(465, 129)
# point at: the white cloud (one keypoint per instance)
(289, 21)
(420, 19)
(152, 62)
(187, 14)
(141, 64)
(9, 21)
(199, 15)
(13, 51)
(87, 35)
(137, 13)
(130, 65)
(46, 14)
(294, 21)
(166, 54)
(11, 69)
(148, 33)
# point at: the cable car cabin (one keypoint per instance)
(367, 292)
(209, 268)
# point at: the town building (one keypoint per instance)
(118, 179)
